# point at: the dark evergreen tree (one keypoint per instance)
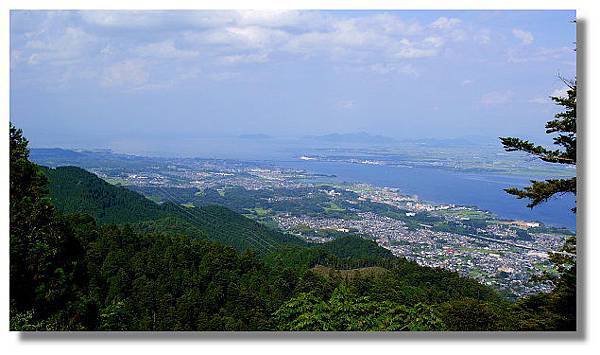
(565, 126)
(561, 302)
(165, 268)
(45, 256)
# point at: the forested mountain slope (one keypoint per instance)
(150, 269)
(74, 190)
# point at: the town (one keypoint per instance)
(508, 255)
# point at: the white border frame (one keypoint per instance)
(350, 343)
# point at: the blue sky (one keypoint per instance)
(131, 80)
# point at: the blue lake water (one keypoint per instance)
(444, 186)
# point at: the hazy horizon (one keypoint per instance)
(149, 80)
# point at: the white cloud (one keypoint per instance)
(539, 100)
(466, 82)
(445, 23)
(344, 39)
(246, 58)
(525, 37)
(188, 73)
(381, 35)
(387, 68)
(239, 37)
(198, 19)
(525, 55)
(276, 18)
(560, 92)
(107, 50)
(412, 52)
(150, 41)
(497, 97)
(434, 41)
(165, 49)
(483, 36)
(224, 76)
(65, 47)
(384, 23)
(345, 104)
(127, 19)
(129, 73)
(233, 34)
(16, 56)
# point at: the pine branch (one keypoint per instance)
(542, 191)
(512, 144)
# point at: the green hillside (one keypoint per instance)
(350, 275)
(85, 255)
(356, 247)
(222, 225)
(74, 190)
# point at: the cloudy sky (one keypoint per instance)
(124, 79)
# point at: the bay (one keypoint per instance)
(484, 191)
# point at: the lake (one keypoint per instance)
(444, 186)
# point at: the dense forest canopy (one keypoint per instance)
(86, 255)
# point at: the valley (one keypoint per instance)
(502, 253)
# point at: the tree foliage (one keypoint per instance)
(345, 311)
(564, 125)
(557, 309)
(45, 269)
(75, 190)
(107, 259)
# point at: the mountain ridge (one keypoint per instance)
(75, 190)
